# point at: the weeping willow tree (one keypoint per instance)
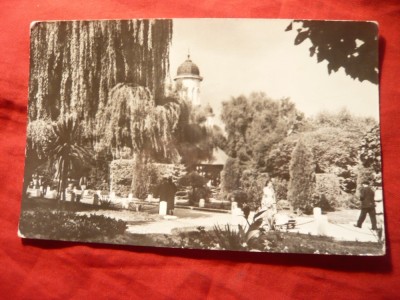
(73, 67)
(109, 76)
(133, 120)
(172, 132)
(75, 64)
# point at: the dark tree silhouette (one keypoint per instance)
(197, 184)
(347, 44)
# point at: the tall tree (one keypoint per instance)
(75, 64)
(334, 139)
(132, 119)
(255, 123)
(302, 177)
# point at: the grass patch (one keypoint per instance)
(274, 242)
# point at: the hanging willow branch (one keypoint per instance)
(75, 64)
(132, 119)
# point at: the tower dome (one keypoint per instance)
(188, 69)
(188, 81)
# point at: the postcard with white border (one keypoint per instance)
(220, 134)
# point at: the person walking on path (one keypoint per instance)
(268, 208)
(268, 201)
(367, 196)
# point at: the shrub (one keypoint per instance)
(229, 238)
(240, 197)
(175, 171)
(150, 176)
(350, 201)
(328, 188)
(200, 193)
(105, 204)
(121, 171)
(146, 175)
(197, 183)
(252, 182)
(69, 226)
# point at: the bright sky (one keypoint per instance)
(240, 56)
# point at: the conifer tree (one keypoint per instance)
(302, 174)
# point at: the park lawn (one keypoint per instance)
(277, 242)
(205, 238)
(345, 216)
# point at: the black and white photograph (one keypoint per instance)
(254, 135)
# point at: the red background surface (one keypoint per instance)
(40, 269)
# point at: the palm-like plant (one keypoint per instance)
(66, 152)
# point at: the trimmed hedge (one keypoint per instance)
(121, 171)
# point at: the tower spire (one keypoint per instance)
(188, 56)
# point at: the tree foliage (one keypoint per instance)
(370, 149)
(198, 185)
(145, 179)
(302, 177)
(66, 151)
(346, 44)
(278, 159)
(255, 123)
(230, 176)
(252, 183)
(195, 140)
(169, 132)
(327, 190)
(365, 174)
(40, 133)
(75, 64)
(334, 139)
(133, 119)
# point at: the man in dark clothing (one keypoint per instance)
(367, 196)
(167, 192)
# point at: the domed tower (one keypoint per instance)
(188, 81)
